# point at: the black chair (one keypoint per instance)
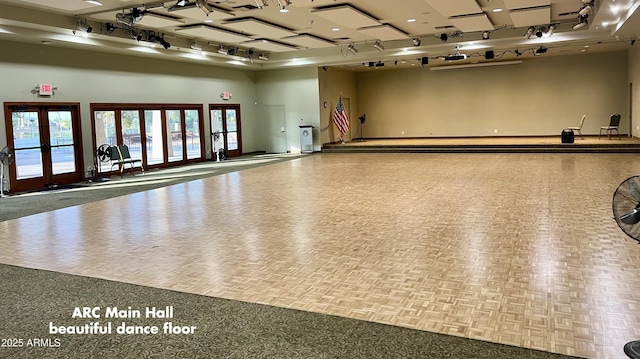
(614, 123)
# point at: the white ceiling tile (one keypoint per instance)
(472, 23)
(533, 17)
(256, 27)
(522, 4)
(453, 8)
(155, 20)
(308, 41)
(346, 16)
(266, 45)
(383, 33)
(195, 13)
(66, 5)
(214, 34)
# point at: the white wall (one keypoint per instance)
(538, 97)
(297, 90)
(91, 77)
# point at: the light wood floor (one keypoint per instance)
(519, 249)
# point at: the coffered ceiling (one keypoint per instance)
(357, 34)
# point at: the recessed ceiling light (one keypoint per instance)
(94, 2)
(208, 21)
(335, 29)
(411, 20)
(497, 10)
(46, 42)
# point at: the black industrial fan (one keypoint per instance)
(103, 155)
(626, 211)
(7, 156)
(626, 207)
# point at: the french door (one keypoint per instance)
(225, 129)
(47, 142)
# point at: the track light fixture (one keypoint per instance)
(223, 50)
(195, 46)
(84, 26)
(552, 29)
(540, 51)
(378, 45)
(583, 20)
(486, 35)
(232, 51)
(250, 53)
(352, 49)
(263, 57)
(262, 3)
(124, 19)
(204, 7)
(444, 37)
(529, 32)
(283, 5)
(416, 41)
(163, 42)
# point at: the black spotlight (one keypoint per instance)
(486, 35)
(489, 55)
(444, 37)
(424, 61)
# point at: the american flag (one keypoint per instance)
(340, 118)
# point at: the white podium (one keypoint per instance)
(306, 138)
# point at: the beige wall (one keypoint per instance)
(332, 83)
(89, 77)
(537, 97)
(297, 90)
(634, 80)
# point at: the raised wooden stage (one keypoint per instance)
(520, 144)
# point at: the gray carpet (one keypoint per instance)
(32, 299)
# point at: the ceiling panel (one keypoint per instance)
(347, 16)
(472, 23)
(257, 27)
(66, 5)
(533, 17)
(452, 8)
(266, 45)
(314, 3)
(214, 34)
(195, 13)
(522, 4)
(383, 32)
(154, 20)
(308, 41)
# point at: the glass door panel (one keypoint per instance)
(131, 135)
(154, 136)
(174, 136)
(47, 142)
(232, 130)
(105, 127)
(61, 142)
(217, 131)
(192, 124)
(26, 142)
(225, 129)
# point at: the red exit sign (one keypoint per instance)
(46, 90)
